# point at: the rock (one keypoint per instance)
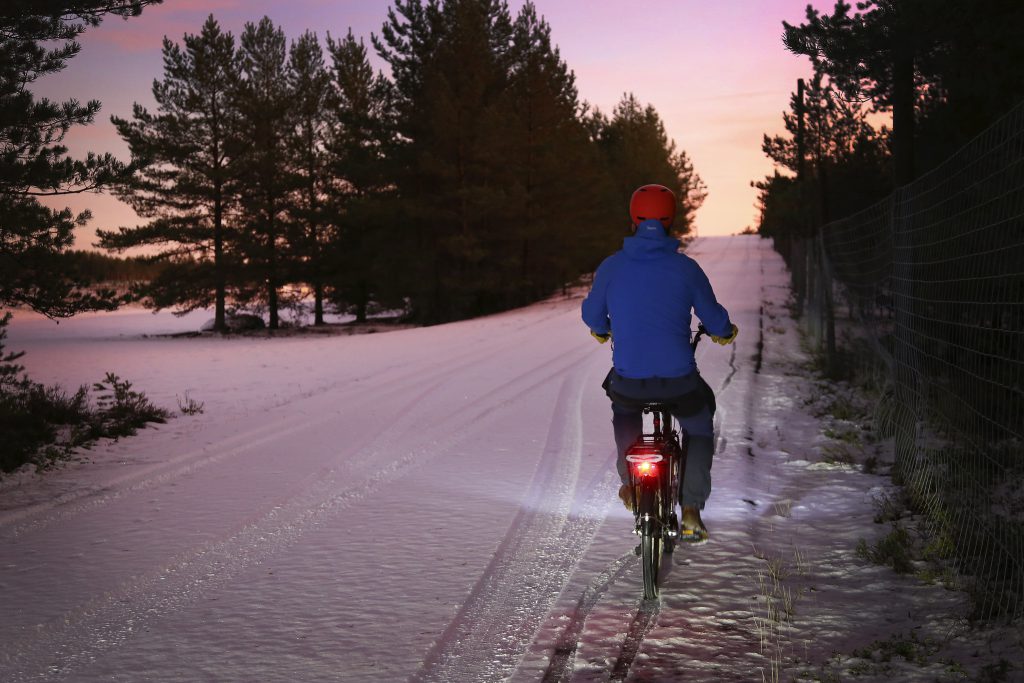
(237, 323)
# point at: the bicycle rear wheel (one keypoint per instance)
(651, 541)
(650, 556)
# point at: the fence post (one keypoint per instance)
(905, 381)
(828, 306)
(808, 280)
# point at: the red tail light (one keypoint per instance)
(644, 459)
(645, 469)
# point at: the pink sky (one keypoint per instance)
(716, 72)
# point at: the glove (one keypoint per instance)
(601, 338)
(726, 340)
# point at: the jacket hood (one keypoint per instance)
(650, 242)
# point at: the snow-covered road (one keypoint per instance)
(433, 504)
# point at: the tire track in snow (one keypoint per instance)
(732, 356)
(42, 515)
(560, 666)
(489, 636)
(223, 555)
(185, 559)
(643, 622)
(55, 651)
(720, 414)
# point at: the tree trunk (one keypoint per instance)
(272, 277)
(903, 113)
(362, 301)
(800, 136)
(524, 276)
(318, 306)
(219, 319)
(435, 315)
(825, 211)
(317, 265)
(807, 224)
(272, 302)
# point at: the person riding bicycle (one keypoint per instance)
(646, 292)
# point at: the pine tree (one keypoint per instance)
(37, 39)
(638, 151)
(185, 179)
(945, 69)
(263, 104)
(450, 63)
(309, 83)
(876, 54)
(558, 194)
(973, 75)
(357, 148)
(847, 161)
(691, 187)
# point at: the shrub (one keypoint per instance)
(122, 410)
(43, 424)
(893, 551)
(190, 406)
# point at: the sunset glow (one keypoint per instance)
(716, 72)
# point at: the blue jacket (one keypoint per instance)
(645, 293)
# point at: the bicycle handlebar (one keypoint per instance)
(701, 331)
(696, 338)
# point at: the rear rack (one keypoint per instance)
(646, 449)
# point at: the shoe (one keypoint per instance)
(692, 529)
(627, 496)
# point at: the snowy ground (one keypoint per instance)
(438, 504)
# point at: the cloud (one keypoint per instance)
(191, 6)
(145, 33)
(745, 95)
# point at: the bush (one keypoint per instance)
(894, 551)
(43, 424)
(190, 406)
(24, 432)
(122, 410)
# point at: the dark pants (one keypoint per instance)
(693, 406)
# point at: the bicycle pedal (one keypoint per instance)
(693, 536)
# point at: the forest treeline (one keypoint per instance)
(469, 180)
(100, 268)
(942, 70)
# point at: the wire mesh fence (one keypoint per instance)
(927, 287)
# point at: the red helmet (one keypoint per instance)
(653, 201)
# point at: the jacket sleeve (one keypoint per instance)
(595, 306)
(711, 313)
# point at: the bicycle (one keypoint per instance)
(656, 462)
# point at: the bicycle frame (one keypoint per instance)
(655, 466)
(656, 462)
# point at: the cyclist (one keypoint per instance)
(646, 292)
